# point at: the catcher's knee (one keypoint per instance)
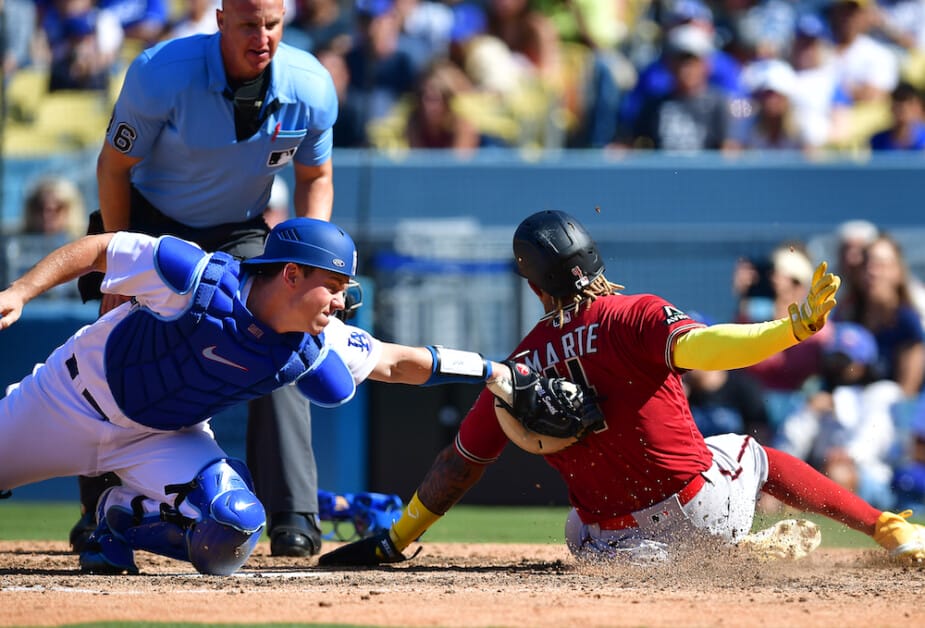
(231, 518)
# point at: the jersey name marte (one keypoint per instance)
(572, 344)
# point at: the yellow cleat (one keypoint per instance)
(789, 539)
(899, 537)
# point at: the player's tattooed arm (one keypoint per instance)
(449, 478)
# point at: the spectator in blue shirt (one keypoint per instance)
(908, 129)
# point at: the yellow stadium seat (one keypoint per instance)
(866, 118)
(74, 116)
(24, 92)
(24, 140)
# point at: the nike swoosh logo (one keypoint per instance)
(413, 511)
(209, 354)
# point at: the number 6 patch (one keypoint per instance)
(124, 138)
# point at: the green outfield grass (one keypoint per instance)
(469, 524)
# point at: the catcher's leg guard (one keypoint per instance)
(215, 524)
(231, 518)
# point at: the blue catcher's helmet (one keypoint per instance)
(310, 242)
(556, 253)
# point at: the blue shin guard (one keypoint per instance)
(215, 524)
(231, 521)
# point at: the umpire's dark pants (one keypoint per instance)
(279, 431)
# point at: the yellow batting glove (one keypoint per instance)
(808, 317)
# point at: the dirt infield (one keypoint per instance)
(472, 585)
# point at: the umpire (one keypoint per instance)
(200, 129)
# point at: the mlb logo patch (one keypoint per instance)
(280, 157)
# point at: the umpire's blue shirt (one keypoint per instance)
(175, 112)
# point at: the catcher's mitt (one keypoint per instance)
(539, 414)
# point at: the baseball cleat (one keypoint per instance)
(79, 536)
(106, 556)
(790, 539)
(899, 537)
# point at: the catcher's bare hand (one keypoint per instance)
(11, 305)
(809, 316)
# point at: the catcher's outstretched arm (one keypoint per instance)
(60, 266)
(424, 366)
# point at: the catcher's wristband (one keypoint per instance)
(452, 366)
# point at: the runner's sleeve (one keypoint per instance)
(732, 346)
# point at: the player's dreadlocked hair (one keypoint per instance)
(599, 287)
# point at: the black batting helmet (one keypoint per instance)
(556, 254)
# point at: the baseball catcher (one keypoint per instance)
(642, 481)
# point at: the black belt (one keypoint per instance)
(71, 363)
(146, 218)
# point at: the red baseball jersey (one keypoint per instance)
(620, 349)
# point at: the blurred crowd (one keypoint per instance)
(849, 400)
(681, 75)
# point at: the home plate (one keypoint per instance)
(280, 574)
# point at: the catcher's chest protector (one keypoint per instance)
(169, 374)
